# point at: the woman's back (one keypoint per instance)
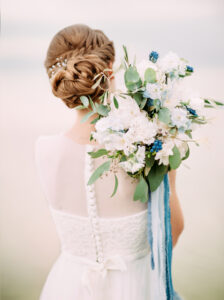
(61, 164)
(105, 252)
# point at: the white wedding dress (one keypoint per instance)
(105, 253)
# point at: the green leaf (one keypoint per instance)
(150, 75)
(115, 186)
(96, 84)
(86, 117)
(125, 54)
(85, 101)
(175, 159)
(187, 153)
(188, 133)
(115, 102)
(164, 115)
(92, 104)
(149, 161)
(138, 98)
(156, 175)
(102, 109)
(132, 78)
(95, 120)
(98, 153)
(141, 191)
(80, 107)
(131, 75)
(143, 103)
(99, 171)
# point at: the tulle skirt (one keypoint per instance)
(71, 278)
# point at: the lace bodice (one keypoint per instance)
(126, 236)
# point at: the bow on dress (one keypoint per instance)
(95, 274)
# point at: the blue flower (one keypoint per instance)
(192, 111)
(153, 56)
(149, 102)
(189, 69)
(157, 146)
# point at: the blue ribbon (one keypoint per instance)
(150, 235)
(166, 237)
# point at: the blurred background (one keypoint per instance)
(194, 30)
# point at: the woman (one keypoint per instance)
(105, 253)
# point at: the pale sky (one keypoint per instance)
(193, 29)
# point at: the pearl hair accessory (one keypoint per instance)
(58, 66)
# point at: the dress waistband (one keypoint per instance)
(94, 274)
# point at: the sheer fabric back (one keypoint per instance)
(60, 163)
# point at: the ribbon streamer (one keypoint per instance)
(160, 241)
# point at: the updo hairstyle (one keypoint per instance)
(87, 52)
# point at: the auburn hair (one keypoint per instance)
(88, 52)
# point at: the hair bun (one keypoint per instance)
(83, 63)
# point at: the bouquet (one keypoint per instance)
(147, 128)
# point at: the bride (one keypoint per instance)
(104, 249)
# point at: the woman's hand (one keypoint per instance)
(177, 219)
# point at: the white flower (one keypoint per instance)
(154, 90)
(172, 63)
(135, 163)
(142, 129)
(179, 118)
(174, 95)
(163, 154)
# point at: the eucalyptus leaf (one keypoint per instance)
(96, 83)
(143, 103)
(95, 120)
(115, 186)
(164, 115)
(115, 102)
(138, 98)
(131, 75)
(85, 101)
(102, 109)
(187, 153)
(99, 171)
(132, 79)
(92, 104)
(150, 75)
(126, 54)
(141, 190)
(175, 159)
(80, 107)
(98, 153)
(156, 176)
(86, 117)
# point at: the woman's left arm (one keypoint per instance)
(177, 219)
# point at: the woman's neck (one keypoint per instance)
(80, 132)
